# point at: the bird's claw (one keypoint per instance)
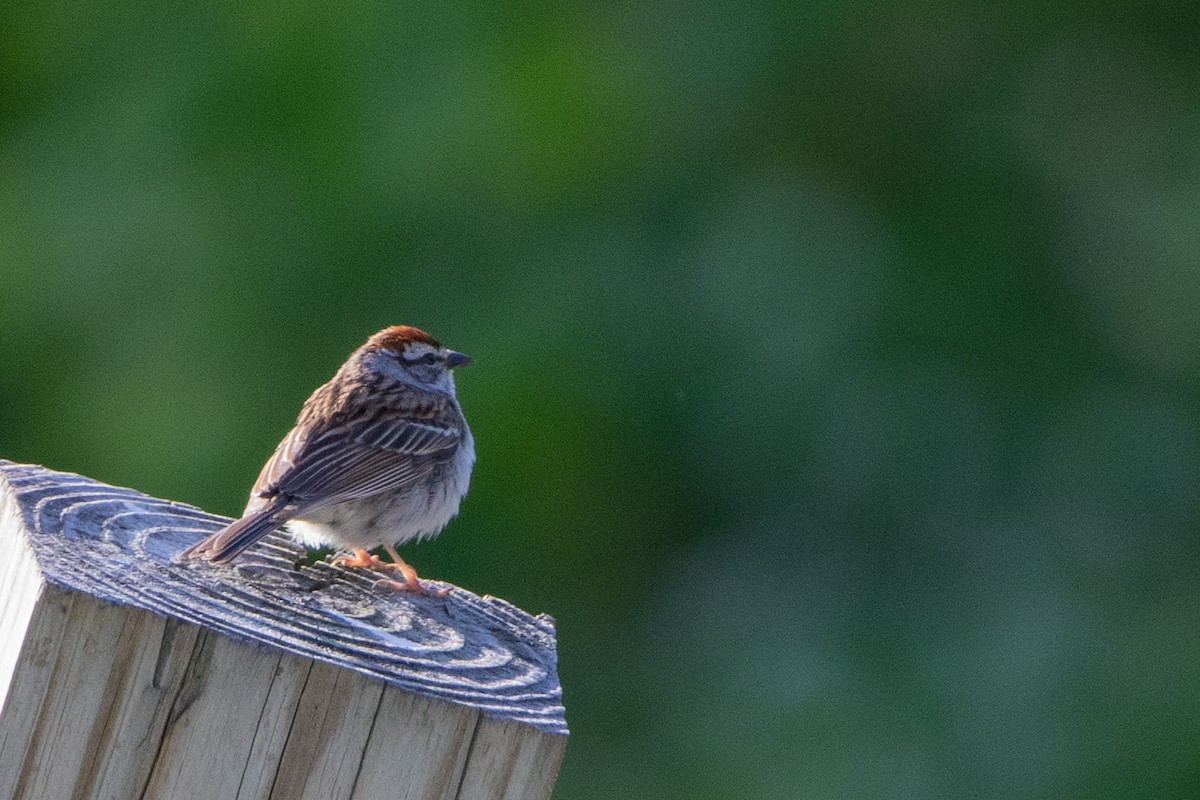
(416, 587)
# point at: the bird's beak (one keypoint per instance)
(454, 359)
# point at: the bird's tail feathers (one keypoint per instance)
(229, 542)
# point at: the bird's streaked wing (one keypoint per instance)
(361, 452)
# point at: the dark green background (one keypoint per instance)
(836, 364)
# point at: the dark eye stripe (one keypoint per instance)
(428, 358)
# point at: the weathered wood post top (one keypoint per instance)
(126, 675)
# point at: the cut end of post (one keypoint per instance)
(304, 669)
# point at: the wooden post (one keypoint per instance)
(125, 675)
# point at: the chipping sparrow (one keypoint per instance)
(380, 454)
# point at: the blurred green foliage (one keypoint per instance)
(836, 363)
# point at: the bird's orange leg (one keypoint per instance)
(411, 582)
(410, 574)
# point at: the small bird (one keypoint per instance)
(380, 455)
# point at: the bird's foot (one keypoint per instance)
(409, 581)
(360, 558)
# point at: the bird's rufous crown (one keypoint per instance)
(398, 337)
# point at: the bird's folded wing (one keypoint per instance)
(360, 455)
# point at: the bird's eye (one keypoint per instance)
(428, 358)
